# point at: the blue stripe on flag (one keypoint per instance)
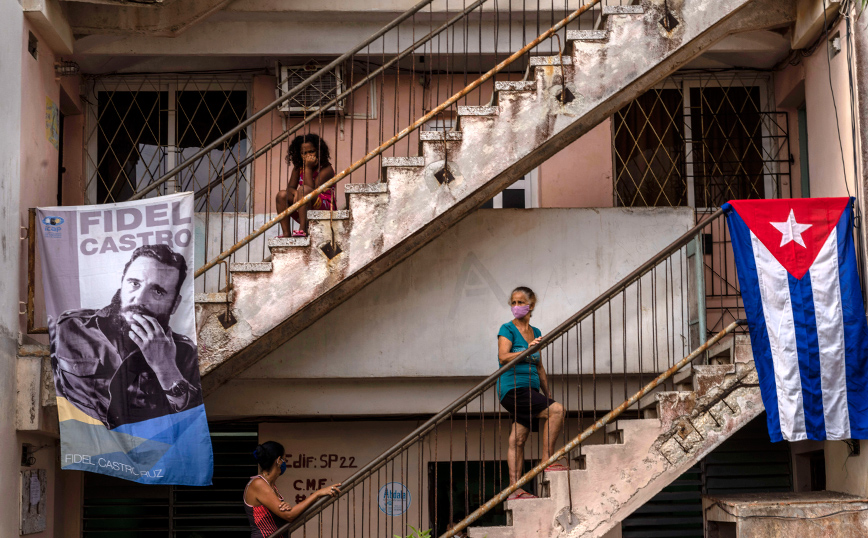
(855, 328)
(752, 298)
(808, 347)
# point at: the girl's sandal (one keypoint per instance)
(299, 233)
(521, 494)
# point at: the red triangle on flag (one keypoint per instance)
(793, 229)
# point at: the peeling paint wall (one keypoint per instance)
(12, 40)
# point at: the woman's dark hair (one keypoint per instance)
(527, 291)
(293, 156)
(267, 453)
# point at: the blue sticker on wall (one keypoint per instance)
(394, 499)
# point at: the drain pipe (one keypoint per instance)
(860, 60)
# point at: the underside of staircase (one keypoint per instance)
(642, 457)
(494, 146)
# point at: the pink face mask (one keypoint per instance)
(520, 311)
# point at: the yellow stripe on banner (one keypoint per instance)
(66, 410)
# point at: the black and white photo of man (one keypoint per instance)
(123, 363)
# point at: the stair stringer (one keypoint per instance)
(274, 301)
(620, 478)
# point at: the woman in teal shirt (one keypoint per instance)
(523, 390)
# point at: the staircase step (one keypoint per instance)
(648, 403)
(672, 405)
(288, 242)
(478, 111)
(490, 532)
(250, 267)
(709, 376)
(210, 298)
(379, 187)
(439, 135)
(683, 378)
(403, 161)
(623, 10)
(515, 86)
(340, 214)
(541, 61)
(615, 433)
(587, 35)
(742, 352)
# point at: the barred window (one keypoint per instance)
(699, 142)
(139, 129)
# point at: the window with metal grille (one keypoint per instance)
(699, 142)
(140, 129)
(115, 508)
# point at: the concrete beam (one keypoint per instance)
(48, 18)
(168, 19)
(810, 20)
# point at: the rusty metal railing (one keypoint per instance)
(596, 427)
(453, 465)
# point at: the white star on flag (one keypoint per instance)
(791, 230)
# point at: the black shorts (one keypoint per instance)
(524, 405)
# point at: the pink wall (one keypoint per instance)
(39, 157)
(580, 175)
(825, 154)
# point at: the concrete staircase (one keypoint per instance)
(643, 456)
(599, 72)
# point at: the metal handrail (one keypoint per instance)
(485, 384)
(316, 113)
(397, 138)
(277, 102)
(597, 426)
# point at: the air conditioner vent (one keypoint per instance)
(317, 94)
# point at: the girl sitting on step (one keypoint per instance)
(311, 167)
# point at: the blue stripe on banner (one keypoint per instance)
(855, 328)
(173, 449)
(808, 347)
(190, 460)
(759, 337)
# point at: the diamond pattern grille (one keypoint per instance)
(649, 151)
(716, 145)
(138, 130)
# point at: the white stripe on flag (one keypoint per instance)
(778, 310)
(826, 289)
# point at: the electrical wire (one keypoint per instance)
(835, 105)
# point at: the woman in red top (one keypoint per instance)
(311, 167)
(265, 507)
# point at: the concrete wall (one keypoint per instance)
(436, 315)
(33, 183)
(580, 175)
(824, 149)
(13, 41)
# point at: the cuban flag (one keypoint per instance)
(796, 265)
